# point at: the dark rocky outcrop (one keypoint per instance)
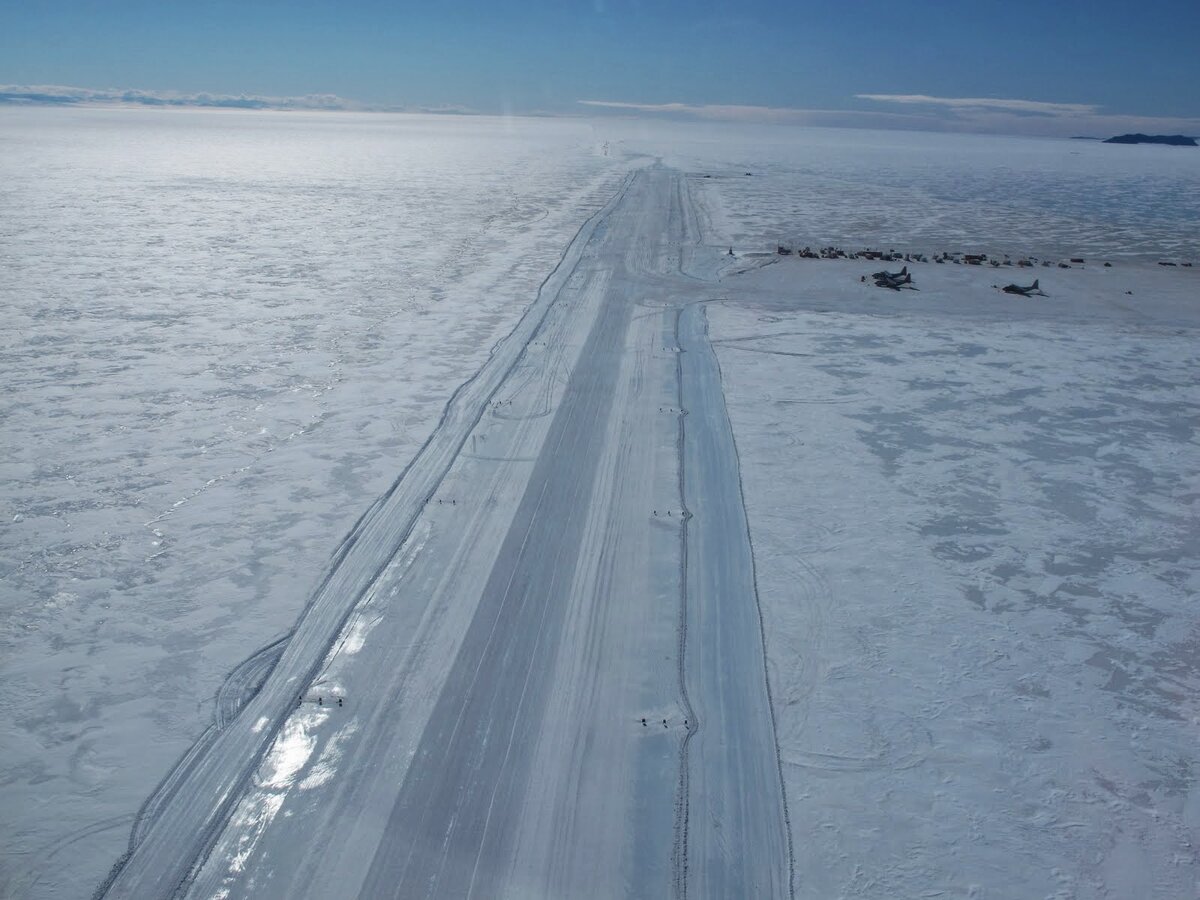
(1174, 140)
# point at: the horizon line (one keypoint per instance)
(923, 113)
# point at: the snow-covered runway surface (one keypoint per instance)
(510, 683)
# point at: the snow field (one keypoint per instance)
(974, 532)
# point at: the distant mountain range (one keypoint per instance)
(65, 95)
(62, 95)
(1173, 140)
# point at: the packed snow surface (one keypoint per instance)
(486, 413)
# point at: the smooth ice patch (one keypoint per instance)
(291, 749)
(326, 765)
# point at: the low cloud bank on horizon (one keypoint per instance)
(920, 112)
(927, 113)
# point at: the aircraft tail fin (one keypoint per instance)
(1035, 285)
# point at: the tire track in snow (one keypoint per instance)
(679, 859)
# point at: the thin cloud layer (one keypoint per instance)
(1035, 117)
(923, 113)
(726, 112)
(772, 114)
(1032, 107)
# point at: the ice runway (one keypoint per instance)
(535, 668)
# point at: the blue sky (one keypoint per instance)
(1117, 59)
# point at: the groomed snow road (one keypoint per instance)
(535, 668)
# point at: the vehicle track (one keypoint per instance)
(246, 680)
(679, 854)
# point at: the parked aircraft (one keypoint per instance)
(894, 281)
(1029, 291)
